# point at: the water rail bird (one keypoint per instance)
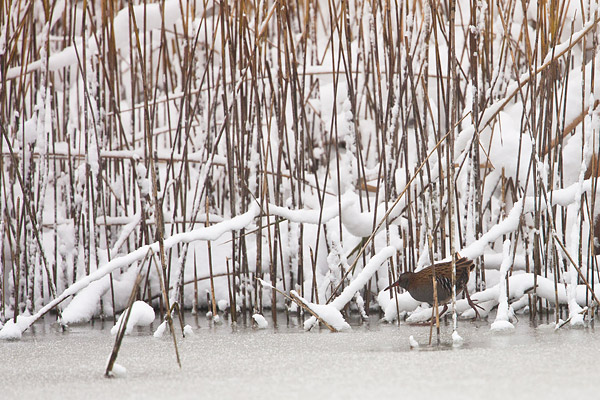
(420, 284)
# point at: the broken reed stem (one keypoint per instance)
(300, 303)
(123, 326)
(574, 264)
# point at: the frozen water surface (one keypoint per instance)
(370, 361)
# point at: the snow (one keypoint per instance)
(329, 314)
(150, 14)
(118, 371)
(86, 303)
(222, 305)
(321, 210)
(412, 342)
(160, 331)
(363, 277)
(456, 338)
(188, 330)
(265, 284)
(502, 326)
(205, 233)
(10, 331)
(141, 314)
(309, 216)
(501, 323)
(261, 322)
(561, 197)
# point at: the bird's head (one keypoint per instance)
(402, 281)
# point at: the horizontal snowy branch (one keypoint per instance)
(562, 197)
(205, 233)
(331, 312)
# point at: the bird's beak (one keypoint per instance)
(397, 283)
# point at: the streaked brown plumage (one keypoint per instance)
(420, 284)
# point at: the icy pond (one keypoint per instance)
(371, 361)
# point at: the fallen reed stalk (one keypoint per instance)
(123, 327)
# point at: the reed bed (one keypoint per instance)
(127, 123)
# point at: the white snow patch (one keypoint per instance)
(188, 330)
(222, 305)
(456, 338)
(141, 314)
(577, 320)
(10, 331)
(261, 322)
(502, 322)
(160, 331)
(413, 343)
(329, 314)
(502, 326)
(118, 371)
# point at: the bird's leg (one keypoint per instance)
(431, 324)
(444, 309)
(471, 303)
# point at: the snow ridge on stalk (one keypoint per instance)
(330, 313)
(502, 322)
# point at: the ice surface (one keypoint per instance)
(369, 362)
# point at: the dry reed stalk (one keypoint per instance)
(249, 103)
(123, 327)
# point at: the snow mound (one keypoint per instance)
(222, 305)
(413, 343)
(142, 314)
(160, 331)
(456, 338)
(118, 371)
(261, 322)
(10, 331)
(502, 326)
(187, 330)
(86, 303)
(329, 314)
(577, 321)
